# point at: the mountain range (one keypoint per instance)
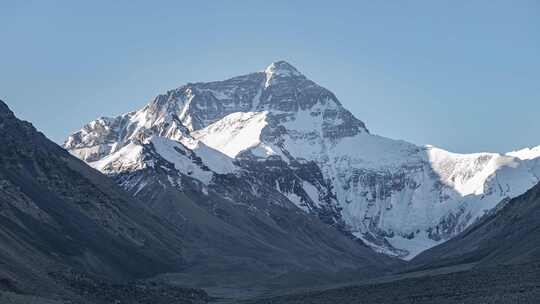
(256, 186)
(279, 130)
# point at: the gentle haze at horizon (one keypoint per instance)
(461, 75)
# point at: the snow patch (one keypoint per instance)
(170, 151)
(526, 154)
(414, 246)
(128, 157)
(234, 133)
(467, 173)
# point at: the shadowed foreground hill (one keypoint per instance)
(63, 225)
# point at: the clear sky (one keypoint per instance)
(462, 75)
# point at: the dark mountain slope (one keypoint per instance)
(59, 215)
(509, 236)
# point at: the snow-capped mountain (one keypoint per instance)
(279, 129)
(66, 227)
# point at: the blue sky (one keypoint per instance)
(462, 75)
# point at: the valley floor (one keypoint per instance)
(7, 297)
(502, 284)
(458, 284)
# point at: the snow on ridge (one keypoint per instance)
(526, 153)
(127, 158)
(376, 152)
(234, 133)
(170, 151)
(468, 173)
(214, 159)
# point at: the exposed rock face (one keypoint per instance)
(279, 129)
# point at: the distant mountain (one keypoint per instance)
(284, 139)
(509, 236)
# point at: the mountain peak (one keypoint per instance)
(281, 66)
(280, 69)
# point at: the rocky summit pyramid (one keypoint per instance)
(279, 138)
